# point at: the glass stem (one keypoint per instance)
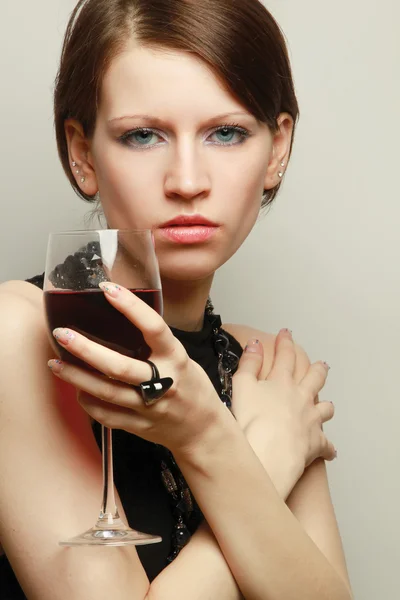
(109, 512)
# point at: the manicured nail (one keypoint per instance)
(55, 365)
(252, 346)
(111, 289)
(289, 331)
(63, 336)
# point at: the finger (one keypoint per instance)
(110, 415)
(315, 378)
(329, 451)
(111, 363)
(155, 331)
(284, 362)
(103, 388)
(252, 359)
(326, 410)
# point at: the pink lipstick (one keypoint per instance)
(189, 229)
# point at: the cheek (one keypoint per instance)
(246, 186)
(126, 188)
(116, 174)
(244, 171)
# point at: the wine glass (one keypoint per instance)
(76, 263)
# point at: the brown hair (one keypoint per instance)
(238, 39)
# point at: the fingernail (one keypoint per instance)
(63, 336)
(55, 365)
(335, 453)
(289, 331)
(112, 289)
(326, 365)
(252, 346)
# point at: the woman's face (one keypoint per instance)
(169, 141)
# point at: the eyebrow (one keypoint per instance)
(158, 121)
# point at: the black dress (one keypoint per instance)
(137, 470)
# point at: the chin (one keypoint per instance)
(188, 266)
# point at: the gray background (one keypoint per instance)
(323, 262)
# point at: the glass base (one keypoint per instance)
(115, 533)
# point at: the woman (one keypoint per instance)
(167, 111)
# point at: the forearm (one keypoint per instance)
(268, 552)
(184, 578)
(200, 572)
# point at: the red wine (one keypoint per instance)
(89, 313)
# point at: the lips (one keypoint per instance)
(189, 220)
(189, 229)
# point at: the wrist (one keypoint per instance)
(281, 461)
(218, 436)
(284, 474)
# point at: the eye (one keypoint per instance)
(140, 138)
(229, 135)
(144, 137)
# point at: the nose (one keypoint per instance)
(187, 175)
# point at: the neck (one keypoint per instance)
(185, 302)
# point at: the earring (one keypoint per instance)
(280, 174)
(83, 179)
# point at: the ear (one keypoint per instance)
(80, 155)
(280, 151)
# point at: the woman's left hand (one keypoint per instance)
(180, 418)
(282, 418)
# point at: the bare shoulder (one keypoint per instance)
(21, 310)
(23, 290)
(243, 333)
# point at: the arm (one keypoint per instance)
(50, 467)
(200, 572)
(184, 578)
(261, 539)
(310, 501)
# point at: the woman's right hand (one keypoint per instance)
(110, 392)
(282, 419)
